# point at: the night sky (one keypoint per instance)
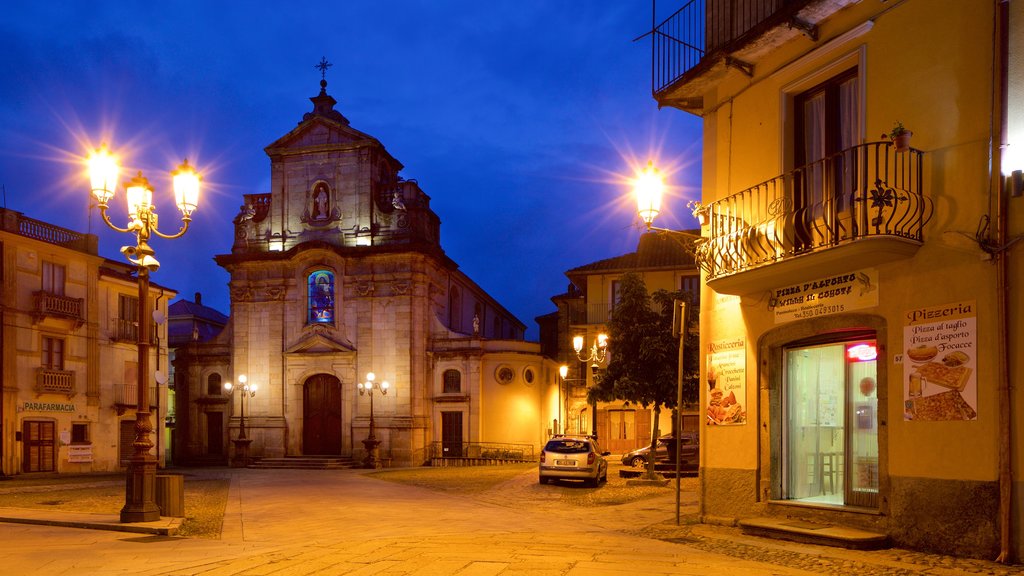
(522, 120)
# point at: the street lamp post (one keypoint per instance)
(563, 371)
(596, 355)
(371, 443)
(140, 483)
(242, 442)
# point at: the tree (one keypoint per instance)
(644, 354)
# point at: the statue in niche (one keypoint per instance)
(320, 210)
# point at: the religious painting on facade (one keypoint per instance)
(940, 363)
(727, 382)
(321, 202)
(321, 297)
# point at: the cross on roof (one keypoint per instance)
(323, 66)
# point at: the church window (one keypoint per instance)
(452, 382)
(321, 297)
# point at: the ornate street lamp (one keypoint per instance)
(371, 443)
(648, 187)
(596, 355)
(140, 485)
(242, 443)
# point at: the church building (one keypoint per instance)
(339, 272)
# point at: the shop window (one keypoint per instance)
(213, 385)
(452, 382)
(80, 433)
(321, 297)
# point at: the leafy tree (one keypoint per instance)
(644, 362)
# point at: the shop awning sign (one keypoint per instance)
(835, 294)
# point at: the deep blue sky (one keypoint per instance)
(520, 119)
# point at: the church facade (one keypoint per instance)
(339, 272)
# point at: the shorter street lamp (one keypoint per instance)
(596, 355)
(242, 442)
(563, 371)
(371, 443)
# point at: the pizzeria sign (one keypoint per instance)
(835, 294)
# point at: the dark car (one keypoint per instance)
(689, 451)
(573, 458)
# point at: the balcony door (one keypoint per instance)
(827, 126)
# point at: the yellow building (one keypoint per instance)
(583, 311)
(69, 356)
(862, 303)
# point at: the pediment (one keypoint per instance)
(319, 342)
(318, 132)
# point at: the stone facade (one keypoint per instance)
(339, 272)
(70, 353)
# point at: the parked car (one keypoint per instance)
(573, 458)
(689, 451)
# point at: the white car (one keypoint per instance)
(573, 458)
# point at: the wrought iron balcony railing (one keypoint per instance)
(867, 191)
(702, 27)
(48, 304)
(126, 330)
(55, 382)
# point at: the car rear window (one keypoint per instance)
(567, 446)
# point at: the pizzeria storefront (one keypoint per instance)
(835, 407)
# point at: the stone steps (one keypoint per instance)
(814, 533)
(305, 463)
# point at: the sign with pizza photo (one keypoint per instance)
(727, 382)
(940, 363)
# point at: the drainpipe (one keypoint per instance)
(1003, 397)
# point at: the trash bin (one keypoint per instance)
(170, 494)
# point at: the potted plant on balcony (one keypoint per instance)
(899, 136)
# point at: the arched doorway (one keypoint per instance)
(321, 410)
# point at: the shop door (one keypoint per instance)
(831, 428)
(451, 434)
(39, 440)
(321, 410)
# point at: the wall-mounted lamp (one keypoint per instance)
(1015, 183)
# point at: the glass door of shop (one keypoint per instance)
(831, 429)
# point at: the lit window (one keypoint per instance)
(321, 297)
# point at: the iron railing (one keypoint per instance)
(55, 382)
(127, 330)
(869, 190)
(701, 27)
(483, 451)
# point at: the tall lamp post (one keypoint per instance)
(140, 483)
(596, 355)
(371, 443)
(243, 441)
(648, 188)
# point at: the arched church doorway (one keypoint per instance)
(321, 410)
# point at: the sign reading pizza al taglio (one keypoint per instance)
(940, 363)
(854, 290)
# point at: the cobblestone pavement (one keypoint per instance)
(287, 522)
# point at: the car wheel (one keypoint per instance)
(591, 482)
(543, 480)
(638, 462)
(605, 477)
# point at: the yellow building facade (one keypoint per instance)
(862, 296)
(70, 353)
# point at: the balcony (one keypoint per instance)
(704, 40)
(590, 313)
(48, 305)
(55, 382)
(127, 330)
(860, 207)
